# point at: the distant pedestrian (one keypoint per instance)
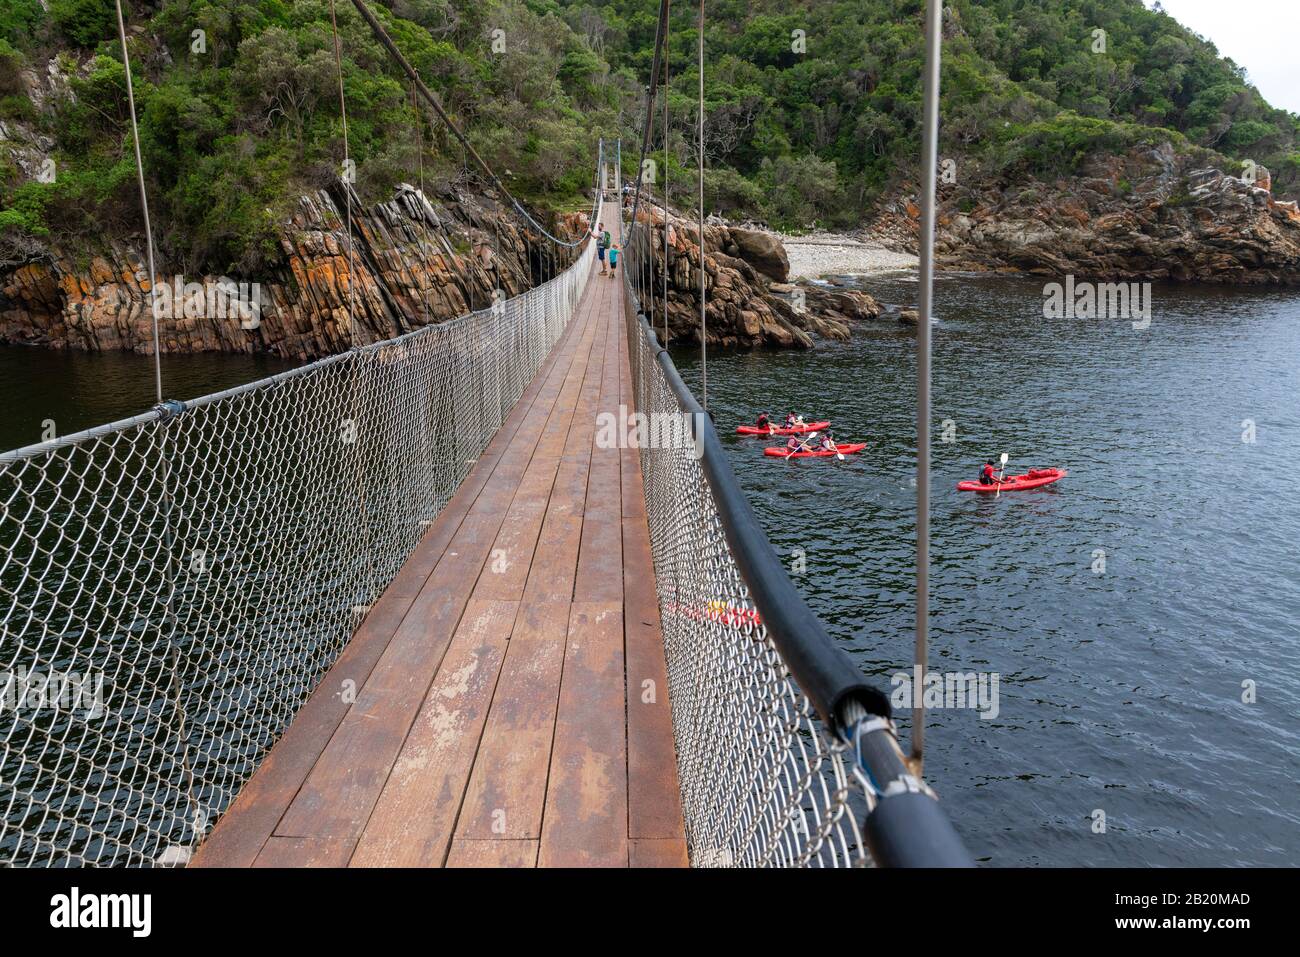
(602, 243)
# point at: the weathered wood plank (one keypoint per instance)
(339, 793)
(508, 786)
(659, 852)
(414, 818)
(252, 818)
(654, 794)
(305, 852)
(466, 852)
(585, 824)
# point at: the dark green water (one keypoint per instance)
(1119, 692)
(77, 390)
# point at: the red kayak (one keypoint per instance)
(848, 448)
(794, 430)
(1016, 483)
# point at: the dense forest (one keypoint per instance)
(812, 108)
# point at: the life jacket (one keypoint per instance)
(987, 475)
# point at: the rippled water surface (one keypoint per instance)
(70, 391)
(1121, 691)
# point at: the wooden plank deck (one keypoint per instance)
(505, 702)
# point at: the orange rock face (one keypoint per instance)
(410, 263)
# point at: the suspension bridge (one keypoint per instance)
(404, 606)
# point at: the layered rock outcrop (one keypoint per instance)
(416, 260)
(746, 302)
(1146, 214)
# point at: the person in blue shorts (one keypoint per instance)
(602, 242)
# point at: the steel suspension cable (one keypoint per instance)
(929, 165)
(436, 104)
(667, 91)
(347, 171)
(661, 33)
(144, 207)
(424, 220)
(704, 329)
(168, 502)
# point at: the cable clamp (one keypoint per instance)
(169, 408)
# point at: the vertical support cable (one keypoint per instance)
(169, 541)
(704, 330)
(144, 206)
(419, 141)
(646, 251)
(929, 166)
(667, 49)
(347, 187)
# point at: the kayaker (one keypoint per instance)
(828, 442)
(796, 444)
(763, 421)
(987, 474)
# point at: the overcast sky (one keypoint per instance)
(1261, 35)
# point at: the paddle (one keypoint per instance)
(998, 493)
(803, 445)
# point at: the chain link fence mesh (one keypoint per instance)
(174, 586)
(763, 782)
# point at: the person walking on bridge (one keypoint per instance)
(613, 258)
(602, 243)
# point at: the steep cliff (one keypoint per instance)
(416, 260)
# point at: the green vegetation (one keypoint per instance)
(236, 124)
(1027, 90)
(812, 110)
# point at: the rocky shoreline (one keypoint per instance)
(822, 254)
(421, 259)
(1148, 214)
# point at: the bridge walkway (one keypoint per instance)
(505, 701)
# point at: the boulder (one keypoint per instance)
(762, 250)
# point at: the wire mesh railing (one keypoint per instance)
(762, 783)
(786, 757)
(174, 586)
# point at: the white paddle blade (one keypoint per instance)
(1005, 456)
